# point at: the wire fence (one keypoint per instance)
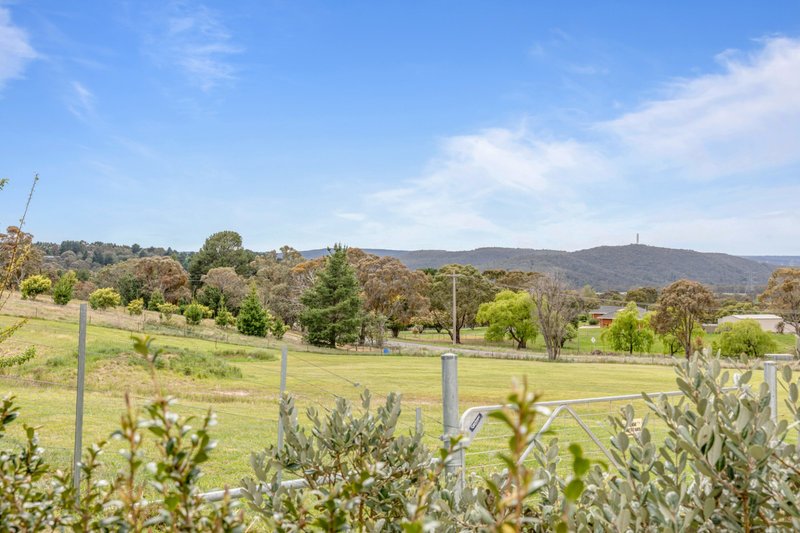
(595, 416)
(246, 409)
(586, 422)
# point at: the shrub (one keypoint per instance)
(194, 313)
(724, 464)
(335, 457)
(593, 321)
(165, 311)
(260, 355)
(224, 317)
(253, 319)
(744, 337)
(202, 366)
(156, 299)
(278, 328)
(33, 286)
(64, 288)
(36, 497)
(135, 307)
(104, 298)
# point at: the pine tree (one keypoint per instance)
(64, 288)
(253, 319)
(332, 313)
(224, 317)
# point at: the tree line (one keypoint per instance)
(350, 296)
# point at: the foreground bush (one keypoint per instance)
(34, 497)
(724, 465)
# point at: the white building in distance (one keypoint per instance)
(767, 322)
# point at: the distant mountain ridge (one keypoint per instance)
(602, 267)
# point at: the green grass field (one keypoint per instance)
(246, 401)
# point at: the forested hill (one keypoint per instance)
(603, 267)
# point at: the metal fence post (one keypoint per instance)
(284, 357)
(771, 379)
(418, 419)
(76, 453)
(450, 409)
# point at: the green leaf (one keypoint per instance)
(576, 450)
(580, 466)
(573, 490)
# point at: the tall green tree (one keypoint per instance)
(630, 332)
(65, 287)
(509, 315)
(253, 319)
(472, 290)
(680, 311)
(222, 249)
(332, 313)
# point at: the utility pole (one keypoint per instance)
(455, 321)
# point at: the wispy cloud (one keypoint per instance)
(507, 184)
(80, 101)
(193, 38)
(742, 120)
(357, 217)
(15, 49)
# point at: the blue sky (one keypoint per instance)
(447, 125)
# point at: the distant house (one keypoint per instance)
(767, 322)
(605, 314)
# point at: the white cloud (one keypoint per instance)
(81, 101)
(459, 190)
(15, 49)
(194, 39)
(637, 173)
(744, 119)
(357, 217)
